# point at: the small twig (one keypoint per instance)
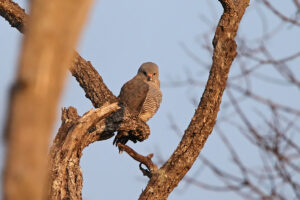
(279, 14)
(144, 160)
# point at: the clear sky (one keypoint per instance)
(118, 37)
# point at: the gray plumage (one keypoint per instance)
(142, 96)
(142, 93)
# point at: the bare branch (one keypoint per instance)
(15, 15)
(75, 134)
(146, 160)
(47, 52)
(280, 15)
(169, 175)
(82, 70)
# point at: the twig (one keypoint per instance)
(144, 160)
(279, 14)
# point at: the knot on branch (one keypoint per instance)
(68, 117)
(69, 114)
(229, 46)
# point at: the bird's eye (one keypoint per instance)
(145, 73)
(154, 73)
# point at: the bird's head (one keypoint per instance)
(149, 71)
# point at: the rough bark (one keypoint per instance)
(13, 14)
(165, 179)
(87, 76)
(74, 135)
(92, 83)
(47, 50)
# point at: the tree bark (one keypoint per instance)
(92, 83)
(47, 52)
(171, 173)
(164, 180)
(87, 76)
(15, 15)
(74, 135)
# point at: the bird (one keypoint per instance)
(142, 95)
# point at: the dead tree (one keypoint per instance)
(76, 132)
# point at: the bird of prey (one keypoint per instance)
(141, 95)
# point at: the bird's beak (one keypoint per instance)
(149, 77)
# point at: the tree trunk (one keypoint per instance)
(46, 54)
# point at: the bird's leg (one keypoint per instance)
(121, 137)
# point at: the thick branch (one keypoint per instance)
(47, 52)
(168, 176)
(82, 70)
(92, 83)
(13, 14)
(74, 135)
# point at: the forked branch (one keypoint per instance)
(74, 135)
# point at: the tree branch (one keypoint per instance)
(47, 52)
(87, 76)
(66, 178)
(146, 160)
(91, 81)
(15, 15)
(168, 176)
(74, 135)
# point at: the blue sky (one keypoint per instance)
(118, 37)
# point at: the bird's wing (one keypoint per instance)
(133, 94)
